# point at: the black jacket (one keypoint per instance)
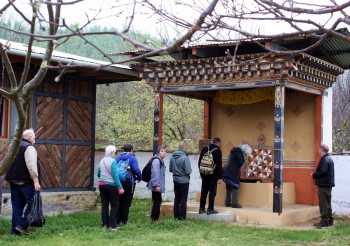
(324, 175)
(217, 156)
(18, 171)
(232, 169)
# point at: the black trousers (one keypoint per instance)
(109, 196)
(324, 199)
(125, 201)
(156, 202)
(209, 185)
(231, 197)
(180, 201)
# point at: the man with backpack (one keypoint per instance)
(210, 168)
(180, 166)
(128, 172)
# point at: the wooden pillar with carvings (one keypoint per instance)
(278, 147)
(157, 121)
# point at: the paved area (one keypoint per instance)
(293, 216)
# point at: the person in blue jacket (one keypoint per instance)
(157, 182)
(133, 175)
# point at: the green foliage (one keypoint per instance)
(83, 228)
(125, 114)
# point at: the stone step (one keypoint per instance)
(291, 215)
(219, 217)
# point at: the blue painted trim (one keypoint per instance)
(63, 96)
(93, 122)
(217, 87)
(60, 142)
(34, 110)
(64, 133)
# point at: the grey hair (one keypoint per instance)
(324, 148)
(246, 148)
(183, 144)
(27, 133)
(110, 149)
(159, 149)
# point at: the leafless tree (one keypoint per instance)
(47, 16)
(204, 19)
(252, 19)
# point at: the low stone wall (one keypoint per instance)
(57, 202)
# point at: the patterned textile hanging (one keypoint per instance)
(265, 94)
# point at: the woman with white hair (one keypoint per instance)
(232, 173)
(110, 188)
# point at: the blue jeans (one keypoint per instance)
(21, 195)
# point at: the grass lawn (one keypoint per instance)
(83, 228)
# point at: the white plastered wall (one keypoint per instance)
(327, 118)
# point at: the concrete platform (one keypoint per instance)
(291, 215)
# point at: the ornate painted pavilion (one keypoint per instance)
(277, 102)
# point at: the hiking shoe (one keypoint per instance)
(113, 228)
(23, 231)
(201, 211)
(321, 224)
(237, 205)
(211, 211)
(227, 205)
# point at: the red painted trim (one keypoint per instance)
(161, 113)
(268, 45)
(206, 120)
(318, 137)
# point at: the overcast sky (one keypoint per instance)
(147, 23)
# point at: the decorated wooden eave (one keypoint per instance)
(303, 72)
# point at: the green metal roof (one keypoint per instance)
(337, 49)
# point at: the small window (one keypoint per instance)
(4, 116)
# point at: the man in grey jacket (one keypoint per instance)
(180, 166)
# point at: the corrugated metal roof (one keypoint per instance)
(338, 49)
(57, 56)
(221, 43)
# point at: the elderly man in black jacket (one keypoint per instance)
(209, 181)
(324, 179)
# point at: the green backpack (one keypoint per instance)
(207, 164)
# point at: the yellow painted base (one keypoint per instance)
(258, 195)
(291, 215)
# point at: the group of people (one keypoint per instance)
(118, 195)
(117, 192)
(230, 174)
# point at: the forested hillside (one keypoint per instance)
(125, 110)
